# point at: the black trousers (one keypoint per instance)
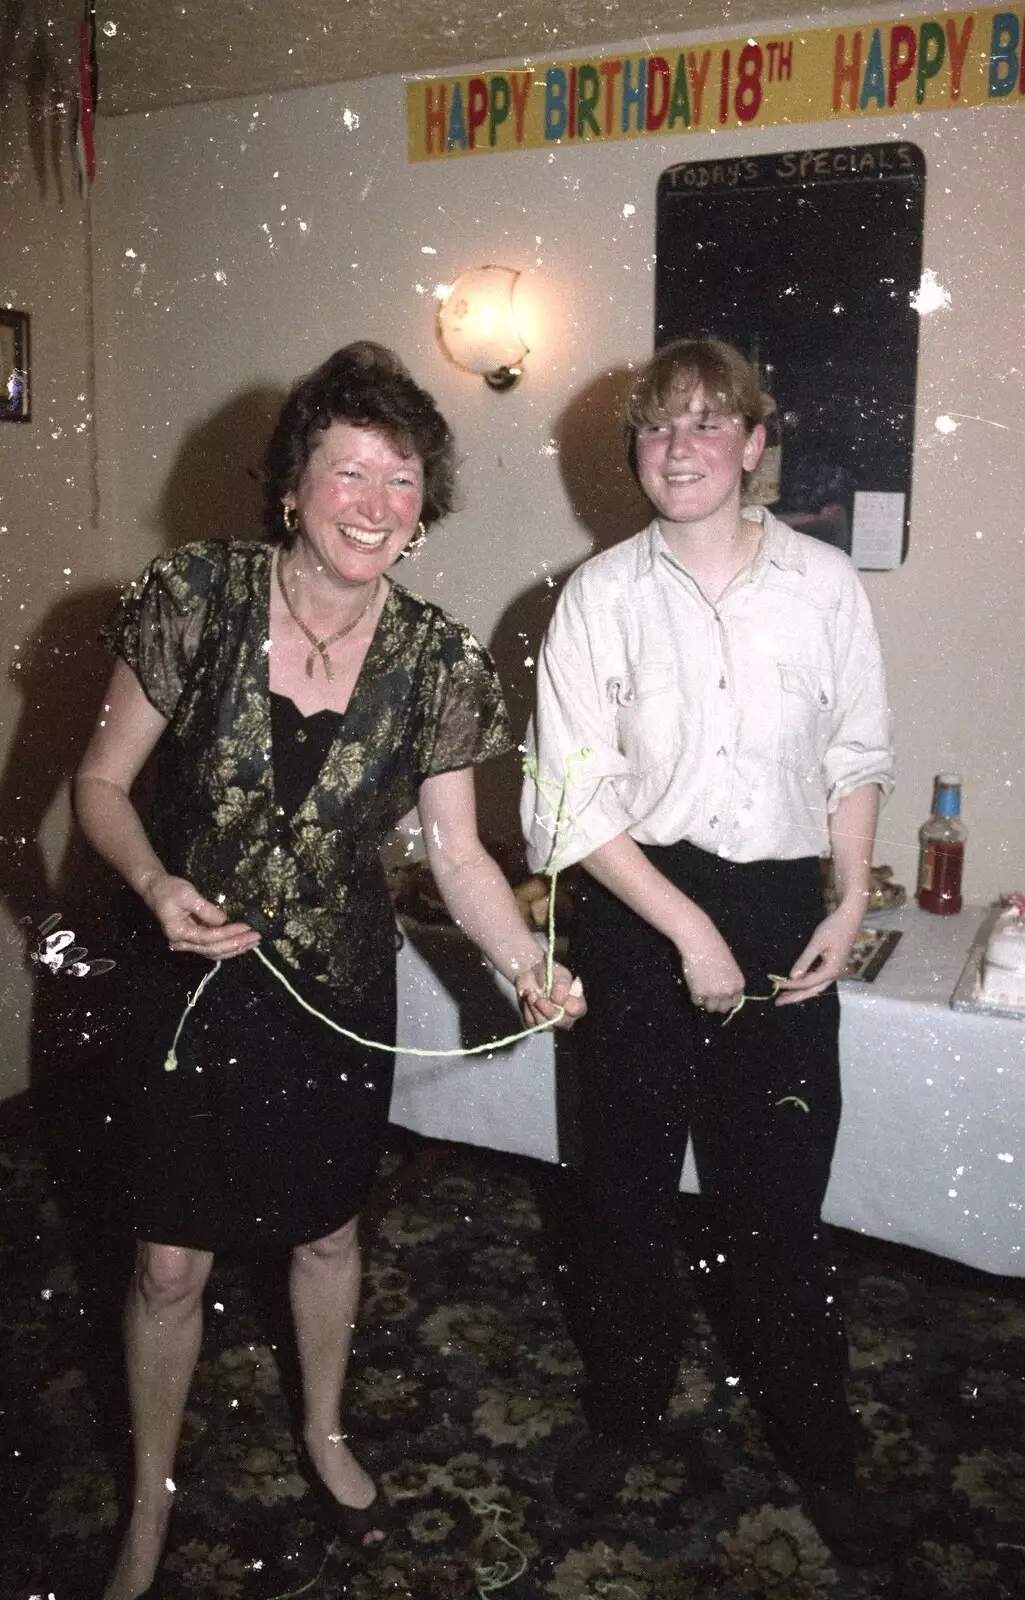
(653, 1069)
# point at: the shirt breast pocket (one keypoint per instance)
(646, 708)
(807, 703)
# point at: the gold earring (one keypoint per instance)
(417, 542)
(291, 526)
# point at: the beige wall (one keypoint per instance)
(237, 244)
(225, 190)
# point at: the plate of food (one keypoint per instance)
(883, 893)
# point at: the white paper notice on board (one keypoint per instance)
(877, 533)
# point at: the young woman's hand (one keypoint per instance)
(537, 1007)
(193, 924)
(824, 957)
(713, 979)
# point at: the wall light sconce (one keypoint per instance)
(477, 326)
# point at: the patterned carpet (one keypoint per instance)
(463, 1392)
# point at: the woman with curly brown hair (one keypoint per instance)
(299, 702)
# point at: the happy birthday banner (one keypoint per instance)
(933, 63)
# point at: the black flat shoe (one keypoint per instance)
(590, 1472)
(354, 1523)
(856, 1530)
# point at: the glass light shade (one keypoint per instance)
(476, 322)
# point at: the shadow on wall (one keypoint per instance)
(38, 59)
(213, 490)
(601, 489)
(607, 503)
(61, 677)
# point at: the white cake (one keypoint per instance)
(1002, 970)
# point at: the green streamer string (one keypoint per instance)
(776, 982)
(401, 1049)
(489, 1579)
(561, 818)
(293, 1594)
(171, 1059)
(501, 1573)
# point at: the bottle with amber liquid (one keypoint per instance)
(941, 849)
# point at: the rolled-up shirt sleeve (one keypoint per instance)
(569, 804)
(860, 749)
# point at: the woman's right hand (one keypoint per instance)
(193, 924)
(713, 979)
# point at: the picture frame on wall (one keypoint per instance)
(15, 391)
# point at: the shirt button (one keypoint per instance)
(279, 811)
(722, 682)
(721, 750)
(268, 908)
(713, 822)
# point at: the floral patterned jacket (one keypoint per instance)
(194, 630)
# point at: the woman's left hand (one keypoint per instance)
(537, 1007)
(824, 957)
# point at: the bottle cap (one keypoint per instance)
(948, 797)
(948, 780)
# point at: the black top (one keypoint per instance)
(300, 746)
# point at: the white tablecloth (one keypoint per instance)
(932, 1144)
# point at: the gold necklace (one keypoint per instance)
(320, 647)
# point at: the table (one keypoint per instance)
(932, 1143)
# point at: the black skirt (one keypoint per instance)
(269, 1129)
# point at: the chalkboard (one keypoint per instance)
(811, 262)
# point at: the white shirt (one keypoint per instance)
(737, 726)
